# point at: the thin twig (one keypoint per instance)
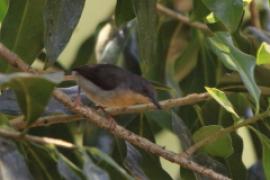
(215, 136)
(184, 19)
(254, 15)
(19, 123)
(119, 131)
(40, 140)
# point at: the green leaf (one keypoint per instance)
(221, 148)
(3, 9)
(3, 120)
(61, 17)
(85, 52)
(237, 168)
(123, 12)
(234, 59)
(162, 118)
(266, 151)
(263, 54)
(92, 171)
(68, 169)
(187, 60)
(200, 10)
(96, 152)
(13, 164)
(222, 99)
(229, 12)
(146, 14)
(22, 30)
(32, 91)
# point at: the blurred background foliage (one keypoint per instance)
(232, 54)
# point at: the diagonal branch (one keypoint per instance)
(184, 19)
(119, 131)
(215, 136)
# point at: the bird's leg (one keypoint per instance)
(108, 116)
(77, 100)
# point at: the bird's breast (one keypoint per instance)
(118, 97)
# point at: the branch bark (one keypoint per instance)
(40, 140)
(184, 19)
(210, 139)
(119, 131)
(18, 123)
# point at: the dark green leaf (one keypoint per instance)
(200, 10)
(145, 12)
(32, 92)
(234, 59)
(143, 164)
(140, 163)
(22, 30)
(67, 169)
(123, 12)
(221, 147)
(229, 12)
(186, 62)
(110, 161)
(12, 163)
(3, 9)
(61, 17)
(237, 168)
(85, 52)
(92, 171)
(40, 159)
(162, 118)
(266, 152)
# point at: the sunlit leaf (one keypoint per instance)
(221, 147)
(222, 99)
(263, 54)
(22, 30)
(234, 59)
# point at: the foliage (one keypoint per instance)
(231, 63)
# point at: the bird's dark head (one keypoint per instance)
(149, 91)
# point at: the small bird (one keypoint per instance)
(110, 86)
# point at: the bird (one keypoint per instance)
(108, 85)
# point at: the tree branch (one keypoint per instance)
(215, 136)
(40, 140)
(19, 123)
(119, 131)
(184, 19)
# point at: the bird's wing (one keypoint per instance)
(107, 77)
